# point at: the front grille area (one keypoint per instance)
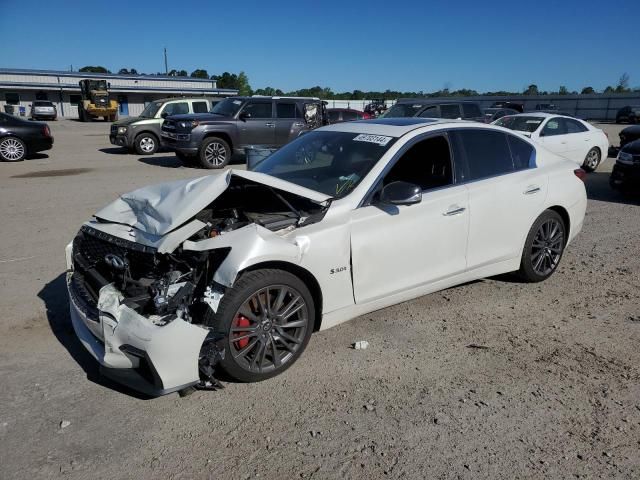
(114, 129)
(91, 271)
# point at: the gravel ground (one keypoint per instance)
(553, 392)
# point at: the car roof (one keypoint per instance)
(395, 127)
(177, 99)
(428, 101)
(541, 115)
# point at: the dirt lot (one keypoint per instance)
(555, 393)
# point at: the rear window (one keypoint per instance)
(403, 110)
(471, 110)
(522, 153)
(42, 104)
(200, 107)
(450, 111)
(487, 153)
(520, 123)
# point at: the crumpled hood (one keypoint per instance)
(159, 209)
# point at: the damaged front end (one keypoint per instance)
(144, 283)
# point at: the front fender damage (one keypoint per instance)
(250, 245)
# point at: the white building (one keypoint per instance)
(20, 87)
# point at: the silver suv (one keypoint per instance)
(142, 134)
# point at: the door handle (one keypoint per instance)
(531, 189)
(454, 210)
(270, 125)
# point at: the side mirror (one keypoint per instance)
(401, 193)
(245, 115)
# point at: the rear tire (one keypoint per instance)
(543, 247)
(12, 149)
(146, 144)
(214, 153)
(592, 160)
(267, 319)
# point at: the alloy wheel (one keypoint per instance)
(147, 144)
(592, 160)
(269, 328)
(215, 153)
(547, 247)
(11, 149)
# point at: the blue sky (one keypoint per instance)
(366, 45)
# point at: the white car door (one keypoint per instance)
(506, 192)
(580, 140)
(395, 248)
(552, 135)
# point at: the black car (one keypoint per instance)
(519, 107)
(630, 114)
(625, 176)
(493, 114)
(19, 138)
(629, 134)
(238, 123)
(425, 108)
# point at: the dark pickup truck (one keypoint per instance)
(240, 122)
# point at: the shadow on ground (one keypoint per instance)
(114, 150)
(598, 188)
(175, 162)
(55, 297)
(36, 156)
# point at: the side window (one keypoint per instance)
(573, 126)
(553, 127)
(427, 163)
(334, 116)
(286, 110)
(349, 116)
(450, 111)
(522, 153)
(12, 98)
(487, 153)
(200, 107)
(258, 109)
(430, 112)
(471, 110)
(178, 108)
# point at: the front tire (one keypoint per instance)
(592, 160)
(146, 144)
(543, 248)
(12, 149)
(267, 319)
(214, 153)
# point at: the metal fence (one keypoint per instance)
(596, 106)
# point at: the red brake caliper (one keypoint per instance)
(242, 321)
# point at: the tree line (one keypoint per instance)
(240, 82)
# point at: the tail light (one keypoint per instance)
(45, 131)
(580, 173)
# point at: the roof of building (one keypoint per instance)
(63, 73)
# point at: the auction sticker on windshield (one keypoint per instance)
(379, 139)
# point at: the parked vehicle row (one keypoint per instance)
(143, 134)
(236, 123)
(629, 114)
(425, 108)
(236, 270)
(569, 137)
(20, 137)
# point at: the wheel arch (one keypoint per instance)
(303, 274)
(149, 132)
(564, 214)
(220, 134)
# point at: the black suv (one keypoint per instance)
(240, 122)
(630, 114)
(410, 107)
(626, 171)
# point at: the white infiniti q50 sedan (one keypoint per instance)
(569, 137)
(235, 270)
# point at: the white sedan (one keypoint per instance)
(235, 270)
(570, 137)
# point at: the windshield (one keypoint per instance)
(227, 107)
(333, 163)
(521, 124)
(402, 110)
(151, 110)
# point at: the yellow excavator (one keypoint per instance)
(96, 102)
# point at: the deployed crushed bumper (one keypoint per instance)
(133, 350)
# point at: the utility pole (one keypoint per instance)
(166, 68)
